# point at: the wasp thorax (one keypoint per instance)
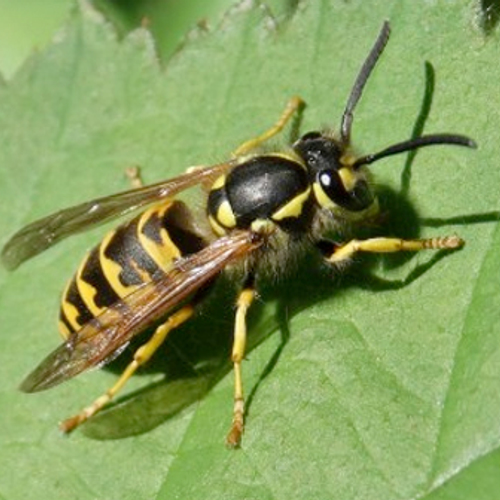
(274, 188)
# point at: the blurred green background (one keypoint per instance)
(29, 25)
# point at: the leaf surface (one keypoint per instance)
(382, 390)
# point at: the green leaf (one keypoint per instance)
(381, 384)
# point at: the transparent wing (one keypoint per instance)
(43, 233)
(100, 338)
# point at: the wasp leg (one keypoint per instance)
(244, 301)
(342, 253)
(141, 356)
(293, 105)
(134, 175)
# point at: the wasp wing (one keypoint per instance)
(43, 233)
(101, 337)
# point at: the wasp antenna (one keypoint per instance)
(418, 142)
(362, 78)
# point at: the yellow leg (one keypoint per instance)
(245, 299)
(293, 105)
(141, 356)
(134, 175)
(387, 245)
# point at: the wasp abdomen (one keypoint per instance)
(140, 251)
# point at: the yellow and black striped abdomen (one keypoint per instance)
(135, 253)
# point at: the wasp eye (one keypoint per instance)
(331, 183)
(325, 179)
(358, 197)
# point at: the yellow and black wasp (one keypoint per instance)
(262, 211)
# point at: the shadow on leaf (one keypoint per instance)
(489, 15)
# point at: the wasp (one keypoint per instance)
(262, 211)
